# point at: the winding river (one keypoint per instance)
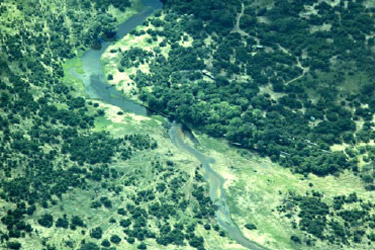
(97, 88)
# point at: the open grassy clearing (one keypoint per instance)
(71, 67)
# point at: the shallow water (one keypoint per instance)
(96, 87)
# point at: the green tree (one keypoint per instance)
(46, 220)
(96, 233)
(115, 239)
(14, 245)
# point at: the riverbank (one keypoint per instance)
(120, 123)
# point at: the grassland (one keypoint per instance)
(71, 67)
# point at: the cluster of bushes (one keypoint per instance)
(133, 58)
(141, 142)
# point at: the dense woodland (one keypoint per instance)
(289, 79)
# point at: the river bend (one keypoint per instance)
(96, 87)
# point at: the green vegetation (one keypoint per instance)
(60, 173)
(61, 169)
(289, 80)
(76, 65)
(270, 78)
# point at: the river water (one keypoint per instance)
(96, 87)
